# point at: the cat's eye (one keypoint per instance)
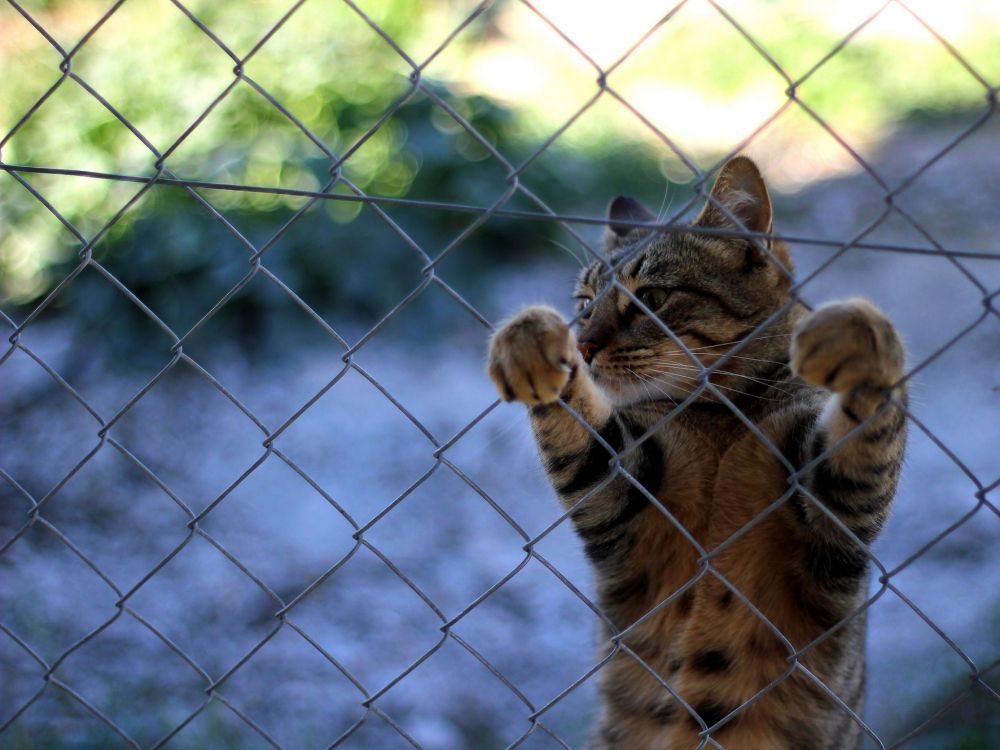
(583, 301)
(653, 297)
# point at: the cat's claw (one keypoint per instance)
(532, 356)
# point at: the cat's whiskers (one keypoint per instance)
(503, 431)
(733, 356)
(694, 379)
(739, 341)
(670, 366)
(569, 252)
(653, 379)
(642, 382)
(647, 381)
(638, 377)
(699, 368)
(664, 206)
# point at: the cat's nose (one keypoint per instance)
(588, 349)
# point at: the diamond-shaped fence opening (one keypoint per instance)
(255, 488)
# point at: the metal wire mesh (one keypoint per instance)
(283, 619)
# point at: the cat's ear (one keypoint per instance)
(628, 209)
(739, 194)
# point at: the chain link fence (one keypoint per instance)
(47, 675)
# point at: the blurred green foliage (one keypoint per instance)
(340, 258)
(337, 75)
(160, 71)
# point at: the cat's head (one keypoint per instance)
(711, 292)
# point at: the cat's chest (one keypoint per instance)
(713, 468)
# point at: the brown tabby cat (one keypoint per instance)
(782, 671)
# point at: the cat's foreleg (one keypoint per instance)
(586, 448)
(533, 358)
(851, 349)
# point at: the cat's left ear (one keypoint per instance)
(739, 193)
(625, 208)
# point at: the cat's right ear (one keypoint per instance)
(625, 208)
(739, 199)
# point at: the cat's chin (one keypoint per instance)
(625, 391)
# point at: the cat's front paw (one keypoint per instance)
(532, 355)
(844, 345)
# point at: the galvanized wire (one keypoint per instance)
(438, 446)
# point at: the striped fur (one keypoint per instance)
(707, 651)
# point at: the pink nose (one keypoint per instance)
(588, 349)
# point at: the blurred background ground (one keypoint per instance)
(894, 94)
